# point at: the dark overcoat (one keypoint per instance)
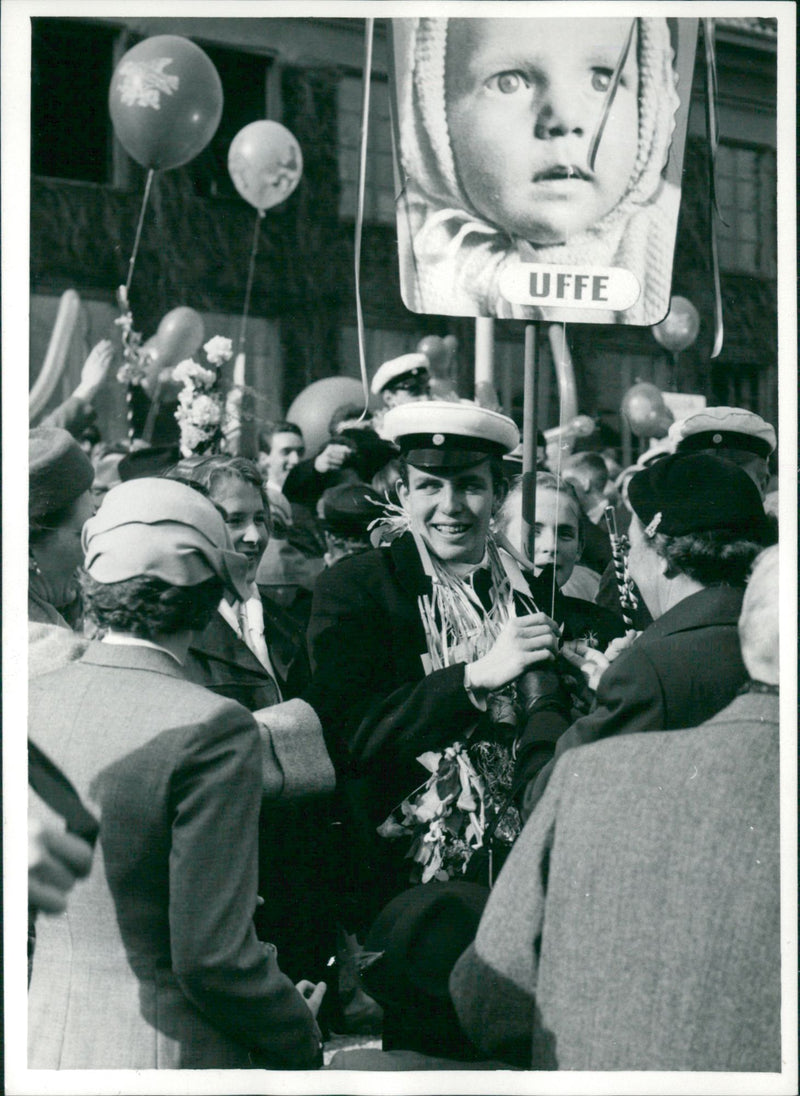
(378, 709)
(682, 670)
(223, 662)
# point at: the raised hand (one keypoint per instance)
(524, 642)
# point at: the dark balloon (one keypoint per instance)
(680, 326)
(644, 408)
(165, 101)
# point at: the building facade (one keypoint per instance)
(86, 195)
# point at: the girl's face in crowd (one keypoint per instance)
(245, 517)
(556, 529)
(557, 534)
(524, 97)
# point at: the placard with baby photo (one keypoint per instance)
(540, 163)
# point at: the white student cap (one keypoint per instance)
(723, 428)
(391, 371)
(437, 434)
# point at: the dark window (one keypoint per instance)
(746, 183)
(244, 87)
(379, 205)
(70, 76)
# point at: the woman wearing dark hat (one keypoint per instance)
(698, 524)
(155, 964)
(59, 502)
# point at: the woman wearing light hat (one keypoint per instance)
(698, 523)
(156, 964)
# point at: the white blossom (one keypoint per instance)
(218, 350)
(191, 372)
(205, 411)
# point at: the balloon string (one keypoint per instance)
(362, 177)
(712, 134)
(132, 261)
(558, 466)
(249, 287)
(610, 93)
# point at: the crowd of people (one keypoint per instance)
(327, 743)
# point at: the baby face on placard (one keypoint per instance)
(523, 98)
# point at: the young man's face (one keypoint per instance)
(286, 451)
(452, 511)
(524, 97)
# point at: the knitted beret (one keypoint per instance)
(696, 493)
(58, 471)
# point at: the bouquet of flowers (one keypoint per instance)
(201, 400)
(447, 818)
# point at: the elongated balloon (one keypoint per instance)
(165, 101)
(265, 163)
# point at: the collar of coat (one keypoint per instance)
(714, 605)
(130, 657)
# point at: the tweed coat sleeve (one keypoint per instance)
(493, 984)
(222, 967)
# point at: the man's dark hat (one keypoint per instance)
(696, 493)
(421, 933)
(349, 509)
(370, 451)
(58, 471)
(148, 462)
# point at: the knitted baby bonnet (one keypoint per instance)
(432, 176)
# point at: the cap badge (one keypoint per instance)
(717, 439)
(650, 531)
(438, 439)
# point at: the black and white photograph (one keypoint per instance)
(404, 620)
(540, 161)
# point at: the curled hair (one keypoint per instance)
(209, 471)
(713, 557)
(147, 607)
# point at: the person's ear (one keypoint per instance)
(402, 492)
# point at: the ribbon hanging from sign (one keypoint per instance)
(712, 134)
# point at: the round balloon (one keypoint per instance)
(680, 326)
(644, 408)
(165, 101)
(265, 163)
(313, 408)
(179, 335)
(437, 352)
